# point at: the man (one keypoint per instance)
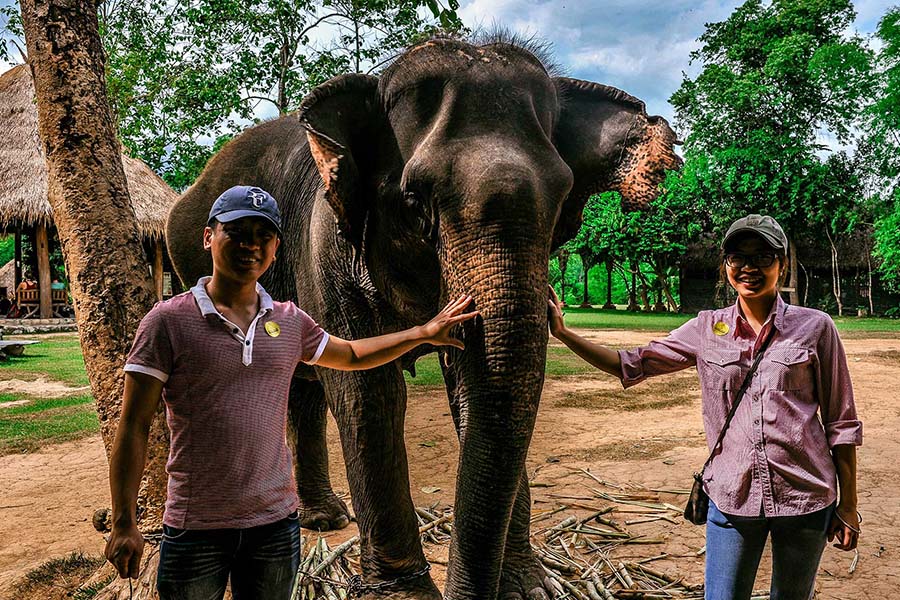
(222, 357)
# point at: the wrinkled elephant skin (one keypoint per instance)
(457, 171)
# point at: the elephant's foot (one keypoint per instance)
(422, 588)
(325, 515)
(523, 578)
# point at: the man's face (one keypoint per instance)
(243, 249)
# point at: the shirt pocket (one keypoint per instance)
(720, 369)
(789, 368)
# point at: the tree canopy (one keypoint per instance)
(774, 78)
(186, 75)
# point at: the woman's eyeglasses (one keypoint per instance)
(761, 261)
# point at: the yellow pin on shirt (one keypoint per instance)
(273, 329)
(721, 328)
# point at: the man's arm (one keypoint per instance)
(367, 353)
(126, 465)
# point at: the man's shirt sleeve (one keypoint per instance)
(151, 352)
(313, 339)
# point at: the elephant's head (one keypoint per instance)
(457, 171)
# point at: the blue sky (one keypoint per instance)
(641, 46)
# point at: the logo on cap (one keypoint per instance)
(257, 197)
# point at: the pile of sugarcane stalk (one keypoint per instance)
(575, 551)
(325, 572)
(435, 525)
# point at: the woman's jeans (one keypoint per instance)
(734, 546)
(262, 561)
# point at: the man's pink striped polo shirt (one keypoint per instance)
(226, 398)
(775, 459)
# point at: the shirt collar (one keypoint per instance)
(207, 307)
(776, 315)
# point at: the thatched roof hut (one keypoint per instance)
(23, 168)
(24, 206)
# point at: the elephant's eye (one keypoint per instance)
(411, 199)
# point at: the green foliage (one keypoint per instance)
(183, 76)
(774, 75)
(7, 249)
(186, 76)
(882, 149)
(887, 241)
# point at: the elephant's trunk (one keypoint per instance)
(498, 381)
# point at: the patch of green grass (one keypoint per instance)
(596, 318)
(560, 362)
(27, 427)
(866, 324)
(56, 357)
(38, 405)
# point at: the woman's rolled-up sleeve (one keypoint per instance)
(673, 353)
(835, 390)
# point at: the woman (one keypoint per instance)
(778, 470)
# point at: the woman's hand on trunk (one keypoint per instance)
(437, 330)
(555, 314)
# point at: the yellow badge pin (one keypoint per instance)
(273, 329)
(721, 328)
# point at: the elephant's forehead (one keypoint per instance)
(455, 60)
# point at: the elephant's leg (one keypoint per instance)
(369, 407)
(522, 575)
(320, 508)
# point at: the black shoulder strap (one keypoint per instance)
(739, 397)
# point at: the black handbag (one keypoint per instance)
(698, 502)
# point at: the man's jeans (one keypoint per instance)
(195, 564)
(734, 546)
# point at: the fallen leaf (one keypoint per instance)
(428, 444)
(430, 489)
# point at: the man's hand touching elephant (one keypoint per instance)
(368, 353)
(437, 330)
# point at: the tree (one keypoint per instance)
(92, 210)
(774, 77)
(882, 149)
(600, 238)
(184, 76)
(659, 234)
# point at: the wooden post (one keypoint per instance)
(18, 263)
(42, 248)
(158, 268)
(793, 278)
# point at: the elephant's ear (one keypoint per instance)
(340, 117)
(585, 138)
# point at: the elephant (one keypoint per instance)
(457, 170)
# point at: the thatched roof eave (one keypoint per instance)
(23, 183)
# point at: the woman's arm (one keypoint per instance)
(600, 356)
(845, 524)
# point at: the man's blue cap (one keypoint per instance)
(245, 201)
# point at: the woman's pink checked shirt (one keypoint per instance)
(775, 459)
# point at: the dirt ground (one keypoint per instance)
(649, 436)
